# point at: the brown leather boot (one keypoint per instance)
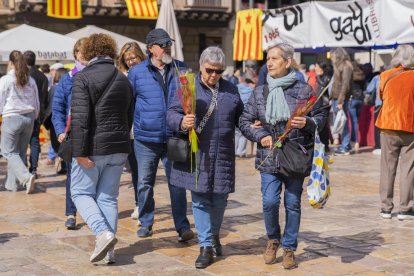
(269, 255)
(288, 259)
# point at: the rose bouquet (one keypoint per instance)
(300, 111)
(187, 95)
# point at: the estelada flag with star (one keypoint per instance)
(248, 35)
(64, 9)
(142, 9)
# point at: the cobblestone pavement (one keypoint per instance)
(346, 238)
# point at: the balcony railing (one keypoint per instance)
(209, 5)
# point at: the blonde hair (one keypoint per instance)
(132, 47)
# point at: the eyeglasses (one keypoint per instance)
(165, 44)
(211, 71)
(133, 58)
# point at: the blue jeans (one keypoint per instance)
(34, 147)
(132, 159)
(346, 135)
(51, 154)
(208, 211)
(70, 206)
(95, 191)
(271, 190)
(16, 131)
(354, 111)
(240, 143)
(148, 156)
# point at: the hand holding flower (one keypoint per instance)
(188, 122)
(267, 142)
(298, 122)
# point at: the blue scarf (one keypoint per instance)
(277, 109)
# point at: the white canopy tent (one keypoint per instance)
(168, 22)
(91, 29)
(48, 46)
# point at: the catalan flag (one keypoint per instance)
(65, 9)
(142, 9)
(248, 35)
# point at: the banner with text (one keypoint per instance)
(340, 24)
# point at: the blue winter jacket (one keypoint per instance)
(61, 103)
(151, 103)
(216, 157)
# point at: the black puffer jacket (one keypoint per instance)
(296, 94)
(103, 128)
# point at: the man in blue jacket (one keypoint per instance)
(154, 88)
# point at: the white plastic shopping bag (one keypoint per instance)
(339, 123)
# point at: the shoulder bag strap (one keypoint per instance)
(210, 110)
(107, 87)
(390, 78)
(67, 129)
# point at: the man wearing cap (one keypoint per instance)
(154, 88)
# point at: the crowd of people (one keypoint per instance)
(124, 108)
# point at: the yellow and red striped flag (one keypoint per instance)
(248, 35)
(142, 9)
(65, 9)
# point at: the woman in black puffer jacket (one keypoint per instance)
(272, 105)
(101, 116)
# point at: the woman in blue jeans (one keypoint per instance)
(19, 106)
(101, 118)
(273, 104)
(217, 114)
(60, 112)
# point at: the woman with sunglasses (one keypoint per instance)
(130, 55)
(217, 113)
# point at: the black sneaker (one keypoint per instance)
(70, 223)
(385, 214)
(186, 236)
(144, 232)
(340, 152)
(407, 215)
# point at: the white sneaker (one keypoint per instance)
(30, 185)
(110, 256)
(376, 152)
(356, 147)
(134, 214)
(104, 242)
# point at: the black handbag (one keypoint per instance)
(65, 149)
(178, 149)
(294, 159)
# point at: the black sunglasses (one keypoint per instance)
(211, 71)
(165, 44)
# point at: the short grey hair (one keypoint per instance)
(404, 56)
(287, 50)
(214, 56)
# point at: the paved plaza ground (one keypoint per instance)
(346, 238)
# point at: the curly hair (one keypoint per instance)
(99, 45)
(79, 43)
(129, 47)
